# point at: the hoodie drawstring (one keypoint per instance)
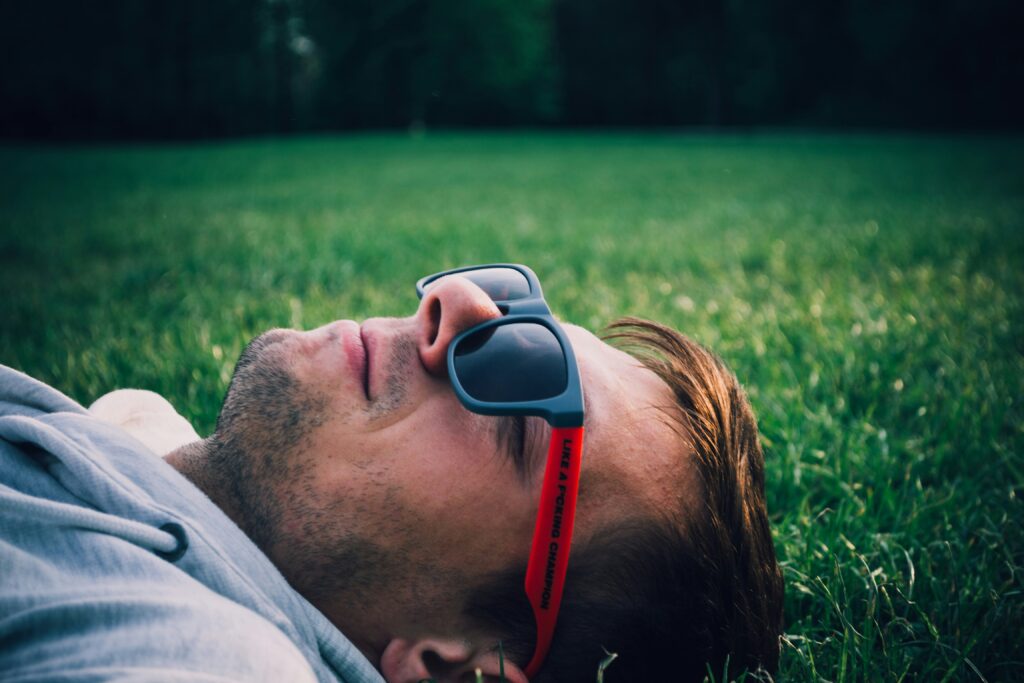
(169, 541)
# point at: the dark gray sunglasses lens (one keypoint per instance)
(501, 284)
(511, 363)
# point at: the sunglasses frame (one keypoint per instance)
(552, 537)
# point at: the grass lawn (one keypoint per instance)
(866, 289)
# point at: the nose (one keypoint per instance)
(451, 305)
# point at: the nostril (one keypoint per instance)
(434, 319)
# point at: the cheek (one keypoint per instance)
(444, 482)
(449, 472)
(433, 480)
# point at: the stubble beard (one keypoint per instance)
(264, 421)
(335, 550)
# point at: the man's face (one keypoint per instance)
(385, 501)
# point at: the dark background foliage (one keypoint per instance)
(192, 68)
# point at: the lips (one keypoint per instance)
(356, 354)
(364, 342)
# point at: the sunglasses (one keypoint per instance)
(523, 364)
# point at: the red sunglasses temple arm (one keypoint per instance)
(552, 536)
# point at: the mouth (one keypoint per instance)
(366, 362)
(354, 346)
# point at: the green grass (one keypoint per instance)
(867, 290)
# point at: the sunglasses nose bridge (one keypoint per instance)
(531, 306)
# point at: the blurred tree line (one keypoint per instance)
(200, 68)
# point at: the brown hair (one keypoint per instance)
(673, 601)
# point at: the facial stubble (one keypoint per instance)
(339, 549)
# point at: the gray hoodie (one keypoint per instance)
(114, 566)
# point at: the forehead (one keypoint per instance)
(636, 457)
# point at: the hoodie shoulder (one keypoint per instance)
(23, 395)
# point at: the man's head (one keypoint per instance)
(407, 519)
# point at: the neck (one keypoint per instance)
(201, 462)
(363, 631)
(195, 462)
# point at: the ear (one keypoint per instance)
(444, 661)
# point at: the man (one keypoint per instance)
(370, 480)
